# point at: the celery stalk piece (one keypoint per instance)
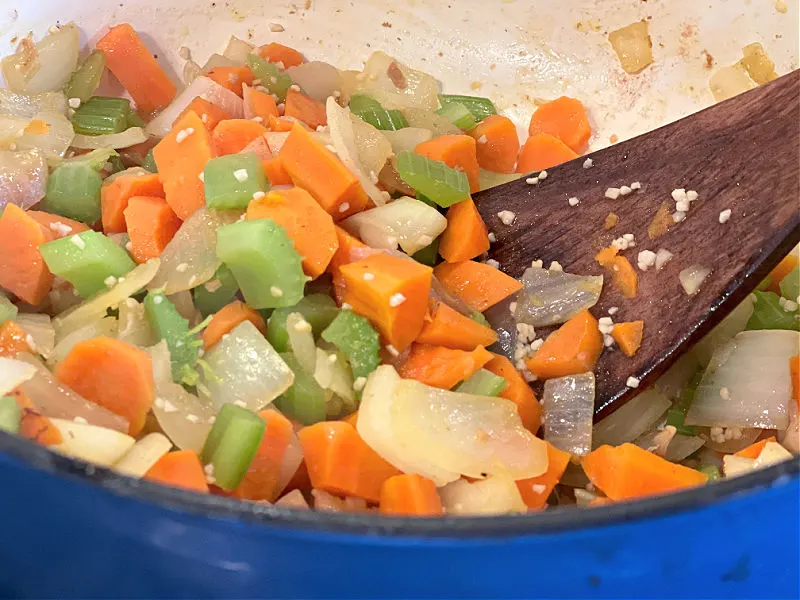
(150, 162)
(167, 324)
(7, 309)
(96, 159)
(353, 335)
(271, 77)
(86, 78)
(478, 317)
(434, 179)
(482, 383)
(263, 260)
(73, 191)
(768, 313)
(459, 115)
(231, 445)
(10, 414)
(428, 255)
(232, 181)
(371, 111)
(89, 260)
(479, 107)
(318, 309)
(790, 284)
(100, 115)
(305, 400)
(213, 295)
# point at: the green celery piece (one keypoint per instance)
(353, 335)
(479, 107)
(87, 260)
(676, 418)
(686, 398)
(478, 317)
(232, 444)
(96, 159)
(150, 162)
(223, 190)
(73, 191)
(100, 115)
(712, 471)
(263, 260)
(8, 311)
(10, 414)
(790, 284)
(224, 288)
(115, 165)
(769, 314)
(433, 179)
(86, 78)
(428, 255)
(483, 383)
(371, 111)
(305, 400)
(133, 119)
(765, 283)
(168, 324)
(272, 78)
(459, 115)
(318, 309)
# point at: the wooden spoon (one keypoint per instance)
(739, 155)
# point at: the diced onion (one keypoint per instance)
(46, 66)
(191, 71)
(633, 46)
(568, 406)
(317, 79)
(53, 143)
(674, 381)
(293, 500)
(27, 106)
(725, 331)
(683, 446)
(489, 179)
(692, 278)
(134, 328)
(790, 437)
(553, 297)
(408, 138)
(143, 455)
(104, 327)
(218, 60)
(372, 146)
(129, 137)
(276, 140)
(40, 330)
(14, 373)
(23, 178)
(425, 119)
(292, 457)
(394, 84)
(631, 419)
(731, 81)
(91, 443)
(237, 50)
(496, 495)
(301, 341)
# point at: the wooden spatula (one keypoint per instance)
(741, 155)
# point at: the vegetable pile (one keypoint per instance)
(270, 285)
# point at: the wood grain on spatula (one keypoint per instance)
(741, 154)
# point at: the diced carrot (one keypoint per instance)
(449, 328)
(610, 221)
(466, 235)
(784, 267)
(352, 418)
(233, 135)
(395, 299)
(261, 480)
(753, 450)
(181, 469)
(181, 157)
(661, 222)
(410, 495)
(497, 144)
(518, 391)
(566, 119)
(794, 373)
(628, 336)
(113, 374)
(628, 472)
(227, 318)
(442, 367)
(284, 124)
(350, 249)
(542, 151)
(307, 224)
(278, 53)
(316, 169)
(479, 285)
(58, 226)
(210, 114)
(277, 175)
(305, 109)
(23, 271)
(232, 78)
(601, 501)
(13, 340)
(34, 425)
(571, 349)
(136, 69)
(624, 276)
(114, 198)
(340, 462)
(456, 151)
(151, 224)
(261, 104)
(606, 256)
(536, 490)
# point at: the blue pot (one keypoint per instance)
(68, 529)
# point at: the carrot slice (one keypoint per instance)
(456, 151)
(151, 224)
(23, 271)
(794, 371)
(114, 198)
(536, 490)
(628, 336)
(542, 151)
(113, 374)
(352, 419)
(497, 144)
(442, 367)
(753, 450)
(34, 425)
(227, 318)
(278, 53)
(449, 328)
(571, 349)
(466, 235)
(261, 104)
(136, 69)
(624, 276)
(350, 249)
(479, 285)
(566, 119)
(606, 256)
(234, 135)
(181, 469)
(410, 495)
(340, 462)
(210, 114)
(13, 340)
(303, 108)
(232, 78)
(518, 391)
(275, 172)
(282, 124)
(307, 224)
(58, 226)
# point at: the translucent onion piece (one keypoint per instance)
(790, 437)
(408, 222)
(673, 382)
(55, 142)
(129, 137)
(395, 85)
(372, 146)
(143, 455)
(26, 106)
(191, 71)
(292, 457)
(106, 327)
(237, 50)
(497, 495)
(408, 138)
(275, 140)
(12, 128)
(41, 331)
(692, 278)
(245, 370)
(301, 341)
(91, 443)
(134, 328)
(14, 373)
(293, 500)
(731, 81)
(426, 119)
(553, 297)
(683, 446)
(218, 60)
(317, 79)
(733, 445)
(23, 178)
(568, 406)
(184, 304)
(747, 383)
(45, 67)
(488, 179)
(633, 46)
(727, 329)
(631, 420)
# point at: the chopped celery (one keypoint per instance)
(459, 115)
(371, 111)
(263, 260)
(353, 335)
(213, 295)
(479, 107)
(183, 343)
(86, 78)
(115, 165)
(96, 159)
(231, 445)
(428, 255)
(7, 309)
(770, 314)
(434, 179)
(73, 191)
(483, 383)
(271, 77)
(10, 414)
(88, 260)
(318, 309)
(790, 284)
(100, 115)
(676, 418)
(712, 471)
(134, 120)
(478, 317)
(232, 181)
(305, 400)
(150, 162)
